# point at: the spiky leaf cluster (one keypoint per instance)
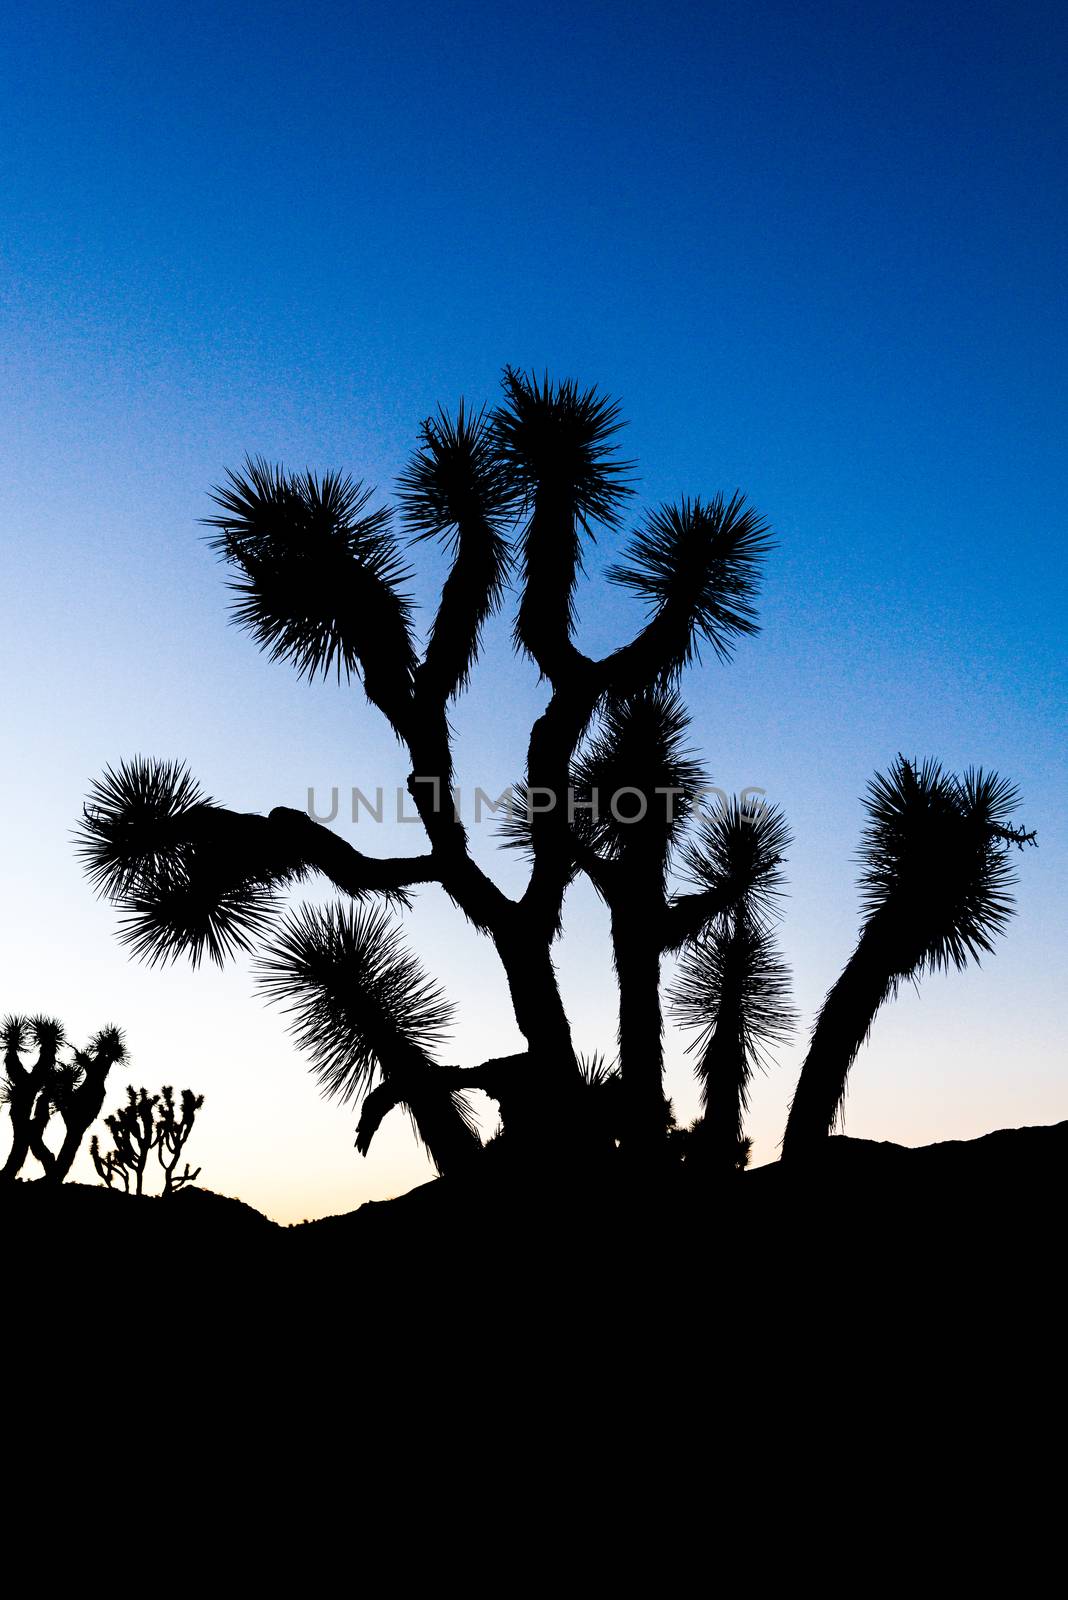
(358, 998)
(697, 567)
(634, 786)
(558, 440)
(133, 823)
(14, 1034)
(738, 851)
(732, 987)
(456, 489)
(637, 781)
(456, 480)
(556, 443)
(935, 855)
(201, 907)
(177, 894)
(320, 576)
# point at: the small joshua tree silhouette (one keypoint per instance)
(138, 1128)
(146, 1123)
(131, 1128)
(172, 1130)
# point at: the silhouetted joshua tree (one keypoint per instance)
(320, 579)
(24, 1085)
(320, 582)
(935, 881)
(108, 1165)
(173, 1127)
(133, 1132)
(76, 1091)
(732, 985)
(146, 1123)
(74, 1088)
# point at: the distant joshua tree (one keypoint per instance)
(611, 789)
(173, 1127)
(72, 1086)
(146, 1123)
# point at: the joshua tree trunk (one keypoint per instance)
(523, 939)
(842, 1027)
(641, 1038)
(38, 1123)
(25, 1087)
(720, 1131)
(20, 1127)
(552, 1114)
(83, 1110)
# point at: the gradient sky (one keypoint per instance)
(819, 253)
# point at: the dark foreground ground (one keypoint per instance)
(876, 1343)
(887, 1309)
(894, 1237)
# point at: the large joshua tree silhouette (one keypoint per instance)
(320, 578)
(611, 788)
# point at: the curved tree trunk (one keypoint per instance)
(23, 1097)
(841, 1028)
(20, 1149)
(38, 1123)
(79, 1116)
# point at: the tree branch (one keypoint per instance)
(690, 914)
(294, 833)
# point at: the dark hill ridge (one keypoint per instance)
(1007, 1150)
(878, 1265)
(989, 1168)
(1016, 1175)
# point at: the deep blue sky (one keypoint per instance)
(818, 251)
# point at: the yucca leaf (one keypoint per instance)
(733, 990)
(560, 438)
(514, 825)
(455, 489)
(697, 566)
(596, 1070)
(47, 1034)
(738, 851)
(361, 1003)
(733, 986)
(358, 998)
(131, 823)
(196, 910)
(320, 577)
(557, 445)
(637, 779)
(935, 850)
(109, 1044)
(14, 1034)
(188, 877)
(456, 479)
